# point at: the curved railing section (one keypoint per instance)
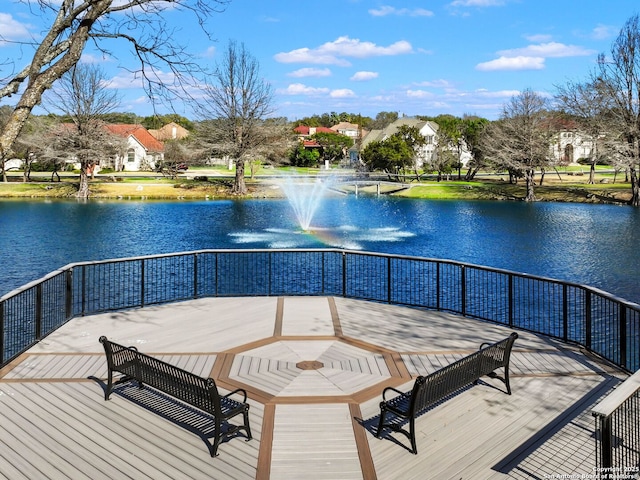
(596, 320)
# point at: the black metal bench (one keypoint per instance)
(187, 387)
(428, 391)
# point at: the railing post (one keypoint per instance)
(1, 333)
(38, 316)
(344, 274)
(142, 262)
(215, 274)
(587, 319)
(604, 429)
(623, 335)
(388, 279)
(438, 286)
(83, 299)
(463, 290)
(322, 272)
(195, 275)
(565, 313)
(510, 302)
(269, 275)
(68, 307)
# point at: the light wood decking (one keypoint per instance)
(314, 369)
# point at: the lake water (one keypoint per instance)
(597, 245)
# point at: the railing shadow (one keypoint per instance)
(516, 459)
(191, 419)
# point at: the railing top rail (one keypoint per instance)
(620, 395)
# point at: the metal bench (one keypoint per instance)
(187, 387)
(428, 391)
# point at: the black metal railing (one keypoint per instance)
(618, 431)
(602, 323)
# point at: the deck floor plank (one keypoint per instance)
(56, 423)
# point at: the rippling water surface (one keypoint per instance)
(597, 245)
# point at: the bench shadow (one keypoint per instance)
(189, 418)
(399, 423)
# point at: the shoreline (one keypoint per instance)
(218, 189)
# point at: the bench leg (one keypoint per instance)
(245, 415)
(383, 414)
(412, 436)
(107, 391)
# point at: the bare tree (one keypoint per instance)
(588, 104)
(82, 96)
(140, 23)
(236, 108)
(620, 78)
(520, 141)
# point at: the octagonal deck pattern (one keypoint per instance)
(314, 369)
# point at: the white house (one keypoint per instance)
(571, 145)
(428, 129)
(143, 150)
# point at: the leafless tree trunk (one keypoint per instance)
(520, 141)
(620, 76)
(81, 95)
(237, 106)
(141, 23)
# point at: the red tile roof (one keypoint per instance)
(304, 130)
(139, 132)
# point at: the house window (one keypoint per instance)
(131, 155)
(429, 139)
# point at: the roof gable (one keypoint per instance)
(140, 133)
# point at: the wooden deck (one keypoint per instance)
(314, 369)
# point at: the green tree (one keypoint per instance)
(334, 146)
(304, 157)
(391, 156)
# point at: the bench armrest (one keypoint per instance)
(241, 391)
(391, 389)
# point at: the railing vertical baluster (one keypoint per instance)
(195, 275)
(322, 286)
(215, 274)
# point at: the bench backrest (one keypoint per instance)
(199, 392)
(430, 389)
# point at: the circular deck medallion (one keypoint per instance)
(309, 365)
(307, 368)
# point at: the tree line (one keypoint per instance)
(234, 107)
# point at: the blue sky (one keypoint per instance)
(360, 56)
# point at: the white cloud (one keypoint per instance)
(540, 37)
(342, 93)
(89, 58)
(411, 12)
(419, 94)
(547, 50)
(209, 52)
(301, 89)
(364, 76)
(440, 83)
(602, 32)
(12, 29)
(484, 93)
(477, 3)
(334, 53)
(310, 72)
(512, 63)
